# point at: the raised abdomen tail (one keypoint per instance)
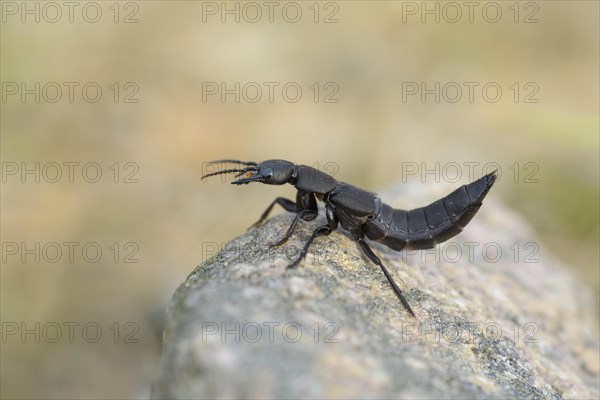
(424, 227)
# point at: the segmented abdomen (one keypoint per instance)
(424, 227)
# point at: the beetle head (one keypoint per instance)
(270, 172)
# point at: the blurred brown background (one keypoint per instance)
(155, 124)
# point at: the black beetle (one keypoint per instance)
(360, 212)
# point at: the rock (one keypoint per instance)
(497, 316)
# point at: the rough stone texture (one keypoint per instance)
(483, 329)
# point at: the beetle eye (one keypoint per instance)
(267, 173)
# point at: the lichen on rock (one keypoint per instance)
(496, 316)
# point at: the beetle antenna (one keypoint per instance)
(225, 171)
(249, 163)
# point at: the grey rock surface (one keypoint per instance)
(497, 316)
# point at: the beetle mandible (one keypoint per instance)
(360, 212)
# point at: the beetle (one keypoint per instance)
(361, 212)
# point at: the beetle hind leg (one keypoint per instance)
(369, 253)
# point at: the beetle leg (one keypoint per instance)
(369, 253)
(306, 208)
(283, 202)
(306, 215)
(323, 230)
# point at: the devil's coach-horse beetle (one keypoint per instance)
(361, 212)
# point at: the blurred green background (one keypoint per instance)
(355, 63)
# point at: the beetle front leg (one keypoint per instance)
(323, 230)
(307, 215)
(287, 204)
(306, 208)
(320, 231)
